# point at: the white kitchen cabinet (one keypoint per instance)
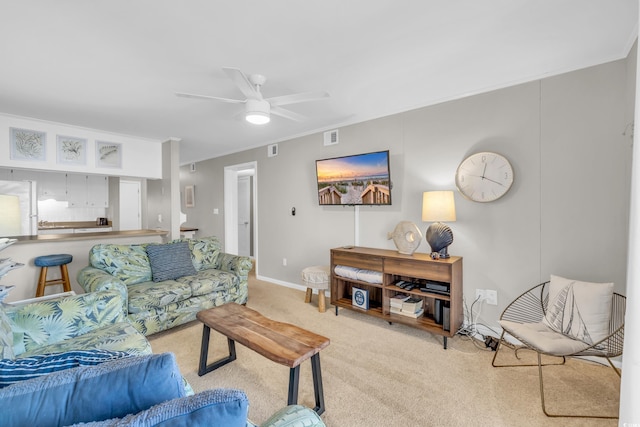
(54, 231)
(93, 230)
(77, 190)
(52, 185)
(22, 175)
(97, 191)
(87, 191)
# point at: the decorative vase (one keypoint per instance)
(406, 236)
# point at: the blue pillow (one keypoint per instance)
(14, 370)
(92, 393)
(170, 261)
(210, 408)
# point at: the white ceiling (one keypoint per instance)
(115, 65)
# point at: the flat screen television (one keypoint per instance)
(360, 179)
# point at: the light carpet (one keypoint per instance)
(380, 374)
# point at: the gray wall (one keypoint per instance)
(566, 214)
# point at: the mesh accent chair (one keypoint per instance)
(557, 319)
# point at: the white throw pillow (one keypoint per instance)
(580, 310)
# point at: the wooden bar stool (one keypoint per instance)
(47, 261)
(316, 277)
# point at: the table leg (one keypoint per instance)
(317, 383)
(294, 380)
(203, 368)
(318, 391)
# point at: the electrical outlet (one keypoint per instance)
(284, 262)
(491, 296)
(480, 295)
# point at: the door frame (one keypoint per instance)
(231, 174)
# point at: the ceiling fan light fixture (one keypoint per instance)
(257, 111)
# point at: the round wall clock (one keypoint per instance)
(484, 177)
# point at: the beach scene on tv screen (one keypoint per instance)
(354, 180)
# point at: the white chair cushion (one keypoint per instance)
(579, 310)
(540, 337)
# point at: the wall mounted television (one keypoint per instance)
(360, 179)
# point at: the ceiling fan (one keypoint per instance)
(258, 110)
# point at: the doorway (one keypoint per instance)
(240, 208)
(130, 217)
(245, 212)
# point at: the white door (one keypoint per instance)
(244, 215)
(232, 220)
(130, 205)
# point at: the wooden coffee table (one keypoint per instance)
(282, 343)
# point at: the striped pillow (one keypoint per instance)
(25, 368)
(170, 261)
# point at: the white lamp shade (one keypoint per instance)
(438, 206)
(257, 111)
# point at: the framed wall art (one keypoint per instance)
(108, 154)
(190, 196)
(27, 144)
(71, 150)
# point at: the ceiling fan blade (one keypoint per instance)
(242, 82)
(287, 114)
(297, 98)
(217, 98)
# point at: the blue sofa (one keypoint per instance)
(132, 391)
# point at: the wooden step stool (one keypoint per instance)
(46, 261)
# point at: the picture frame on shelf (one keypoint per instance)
(360, 298)
(190, 196)
(26, 144)
(71, 150)
(108, 155)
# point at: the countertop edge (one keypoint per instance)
(63, 237)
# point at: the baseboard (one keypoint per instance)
(289, 285)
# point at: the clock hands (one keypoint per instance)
(488, 179)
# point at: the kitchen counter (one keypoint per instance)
(67, 225)
(67, 236)
(62, 227)
(27, 248)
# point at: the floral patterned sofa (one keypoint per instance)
(165, 285)
(46, 336)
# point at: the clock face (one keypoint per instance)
(484, 177)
